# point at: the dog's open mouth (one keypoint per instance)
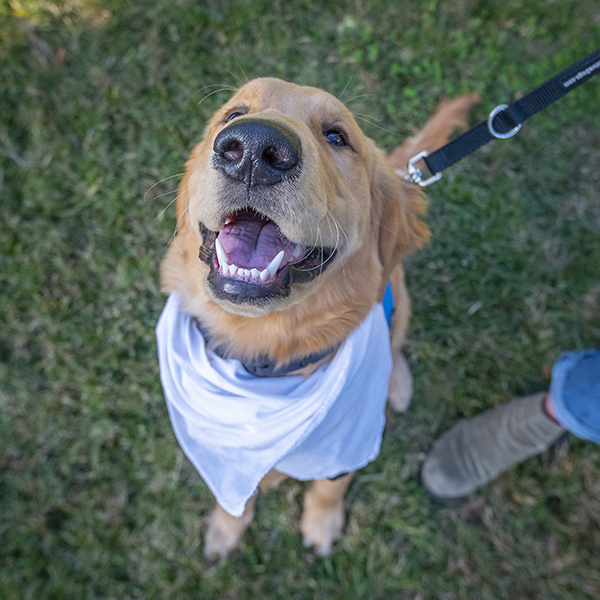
(251, 259)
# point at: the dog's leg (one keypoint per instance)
(401, 381)
(323, 515)
(225, 531)
(271, 480)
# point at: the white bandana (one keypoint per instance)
(235, 427)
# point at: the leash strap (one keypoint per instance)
(505, 120)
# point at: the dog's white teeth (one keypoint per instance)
(221, 255)
(274, 264)
(253, 273)
(228, 220)
(297, 251)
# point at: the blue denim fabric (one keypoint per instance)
(575, 391)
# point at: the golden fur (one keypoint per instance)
(352, 199)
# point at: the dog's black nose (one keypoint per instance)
(256, 152)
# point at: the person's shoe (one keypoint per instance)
(477, 450)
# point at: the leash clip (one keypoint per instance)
(415, 175)
(497, 134)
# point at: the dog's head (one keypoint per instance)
(285, 188)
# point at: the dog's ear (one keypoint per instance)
(398, 204)
(397, 210)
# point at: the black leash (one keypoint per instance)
(505, 120)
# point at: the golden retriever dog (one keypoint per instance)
(290, 224)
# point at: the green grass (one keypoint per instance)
(99, 101)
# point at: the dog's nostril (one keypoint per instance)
(277, 158)
(256, 152)
(232, 152)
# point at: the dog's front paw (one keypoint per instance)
(401, 384)
(225, 532)
(321, 527)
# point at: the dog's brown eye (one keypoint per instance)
(233, 115)
(335, 137)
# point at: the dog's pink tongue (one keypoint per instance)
(252, 243)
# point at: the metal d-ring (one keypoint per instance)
(497, 134)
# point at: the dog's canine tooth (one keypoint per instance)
(221, 255)
(264, 274)
(274, 264)
(297, 251)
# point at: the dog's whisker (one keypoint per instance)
(356, 116)
(222, 89)
(165, 194)
(178, 225)
(164, 210)
(181, 220)
(357, 97)
(314, 246)
(241, 69)
(196, 230)
(322, 262)
(336, 247)
(337, 241)
(194, 219)
(174, 239)
(219, 85)
(330, 218)
(367, 116)
(241, 81)
(345, 87)
(159, 182)
(337, 223)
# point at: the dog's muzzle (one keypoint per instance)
(251, 260)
